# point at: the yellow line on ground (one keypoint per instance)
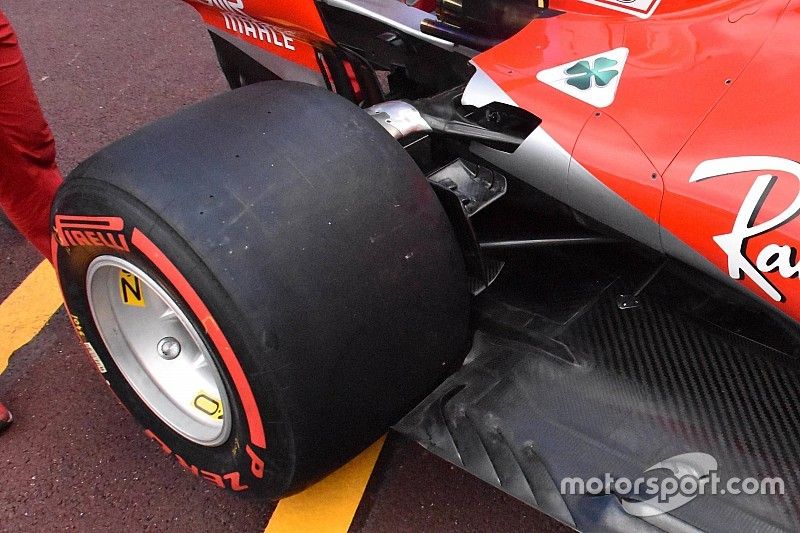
(26, 310)
(329, 505)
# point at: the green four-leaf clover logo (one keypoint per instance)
(582, 73)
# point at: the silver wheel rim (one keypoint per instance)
(158, 350)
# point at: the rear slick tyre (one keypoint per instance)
(269, 307)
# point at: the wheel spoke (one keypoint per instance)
(168, 314)
(199, 362)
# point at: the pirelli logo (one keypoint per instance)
(91, 231)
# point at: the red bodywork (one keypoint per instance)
(702, 82)
(288, 29)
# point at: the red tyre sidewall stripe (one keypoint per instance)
(152, 252)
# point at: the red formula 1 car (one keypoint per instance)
(593, 201)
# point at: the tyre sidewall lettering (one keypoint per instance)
(75, 247)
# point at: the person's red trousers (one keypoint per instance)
(28, 173)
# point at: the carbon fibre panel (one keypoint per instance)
(563, 383)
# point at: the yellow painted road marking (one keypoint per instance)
(329, 505)
(26, 310)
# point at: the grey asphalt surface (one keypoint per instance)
(74, 459)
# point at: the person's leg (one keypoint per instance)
(28, 173)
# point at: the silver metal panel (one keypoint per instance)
(592, 197)
(539, 160)
(399, 118)
(543, 163)
(482, 90)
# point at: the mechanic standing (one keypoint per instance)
(28, 173)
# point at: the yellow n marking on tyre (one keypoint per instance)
(130, 289)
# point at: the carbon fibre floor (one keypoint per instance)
(562, 382)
